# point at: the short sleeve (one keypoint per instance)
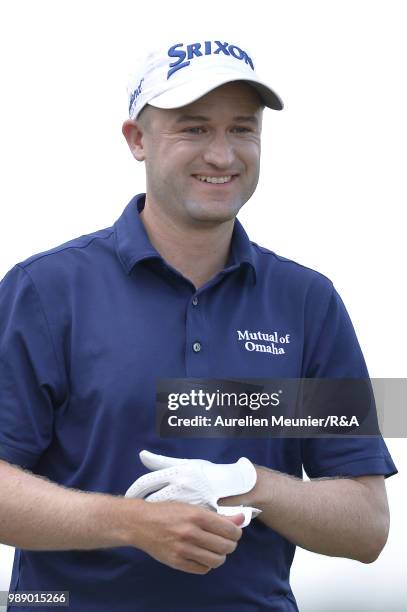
(332, 349)
(30, 381)
(334, 352)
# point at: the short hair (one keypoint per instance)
(143, 114)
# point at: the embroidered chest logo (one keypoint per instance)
(274, 342)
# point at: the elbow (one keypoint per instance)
(371, 557)
(375, 541)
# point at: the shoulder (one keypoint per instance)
(70, 260)
(54, 276)
(61, 251)
(280, 270)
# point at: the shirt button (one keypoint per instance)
(197, 347)
(194, 301)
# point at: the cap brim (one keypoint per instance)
(189, 92)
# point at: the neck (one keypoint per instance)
(198, 252)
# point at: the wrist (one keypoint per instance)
(123, 519)
(260, 496)
(262, 493)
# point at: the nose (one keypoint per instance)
(219, 152)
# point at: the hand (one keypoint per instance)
(261, 495)
(186, 537)
(195, 481)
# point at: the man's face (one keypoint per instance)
(203, 159)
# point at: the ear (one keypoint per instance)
(133, 133)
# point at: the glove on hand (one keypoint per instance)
(196, 481)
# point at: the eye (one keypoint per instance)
(195, 130)
(241, 130)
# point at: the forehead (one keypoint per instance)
(230, 99)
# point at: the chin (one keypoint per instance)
(218, 212)
(215, 218)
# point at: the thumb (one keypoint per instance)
(237, 519)
(239, 515)
(158, 462)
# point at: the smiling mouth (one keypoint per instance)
(215, 180)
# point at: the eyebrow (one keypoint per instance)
(202, 118)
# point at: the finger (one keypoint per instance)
(230, 500)
(204, 557)
(148, 483)
(239, 516)
(192, 567)
(220, 525)
(239, 521)
(158, 462)
(214, 543)
(169, 493)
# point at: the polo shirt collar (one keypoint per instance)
(133, 244)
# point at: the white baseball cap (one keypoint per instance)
(174, 76)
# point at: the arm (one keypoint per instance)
(341, 517)
(40, 515)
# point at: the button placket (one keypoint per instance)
(196, 336)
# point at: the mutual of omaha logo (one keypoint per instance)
(256, 341)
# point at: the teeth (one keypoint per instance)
(214, 179)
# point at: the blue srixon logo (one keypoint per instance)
(185, 54)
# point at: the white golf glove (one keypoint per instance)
(196, 481)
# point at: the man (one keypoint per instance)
(88, 328)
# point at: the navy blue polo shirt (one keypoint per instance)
(88, 327)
